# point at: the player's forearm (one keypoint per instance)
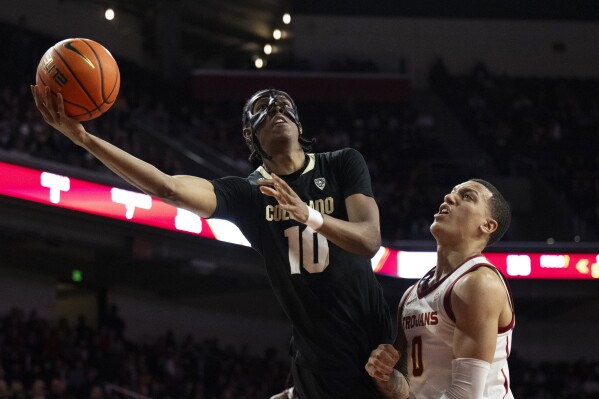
(135, 171)
(359, 238)
(396, 388)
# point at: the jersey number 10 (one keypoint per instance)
(311, 249)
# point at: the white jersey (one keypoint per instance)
(429, 325)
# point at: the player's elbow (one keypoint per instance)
(372, 250)
(372, 244)
(167, 191)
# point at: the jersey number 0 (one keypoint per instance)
(311, 248)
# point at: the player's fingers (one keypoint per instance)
(265, 182)
(384, 365)
(60, 106)
(374, 372)
(383, 358)
(266, 190)
(288, 196)
(281, 185)
(276, 189)
(276, 195)
(37, 97)
(48, 97)
(39, 103)
(390, 351)
(53, 101)
(50, 104)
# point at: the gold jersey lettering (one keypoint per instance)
(274, 213)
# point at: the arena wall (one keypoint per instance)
(534, 48)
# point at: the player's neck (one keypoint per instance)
(450, 258)
(285, 163)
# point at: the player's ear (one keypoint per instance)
(489, 226)
(247, 133)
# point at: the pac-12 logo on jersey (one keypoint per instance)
(320, 182)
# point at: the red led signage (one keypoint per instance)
(83, 196)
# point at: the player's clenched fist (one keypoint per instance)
(382, 361)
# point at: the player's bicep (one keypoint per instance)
(362, 209)
(193, 194)
(477, 301)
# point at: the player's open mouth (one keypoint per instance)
(279, 120)
(443, 209)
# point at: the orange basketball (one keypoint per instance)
(85, 73)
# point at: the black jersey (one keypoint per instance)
(331, 296)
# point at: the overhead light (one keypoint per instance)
(277, 34)
(259, 62)
(267, 49)
(286, 18)
(109, 14)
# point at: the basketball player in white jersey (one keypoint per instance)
(454, 325)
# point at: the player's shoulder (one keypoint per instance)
(347, 151)
(341, 154)
(233, 182)
(483, 279)
(258, 173)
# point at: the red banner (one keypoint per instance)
(83, 196)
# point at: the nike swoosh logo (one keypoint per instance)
(69, 45)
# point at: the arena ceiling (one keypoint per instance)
(497, 9)
(549, 9)
(210, 28)
(216, 32)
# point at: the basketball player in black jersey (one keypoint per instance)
(313, 219)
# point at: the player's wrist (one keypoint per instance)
(315, 219)
(396, 387)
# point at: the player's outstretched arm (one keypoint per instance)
(360, 234)
(192, 193)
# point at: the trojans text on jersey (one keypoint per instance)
(422, 319)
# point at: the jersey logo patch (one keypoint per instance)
(320, 182)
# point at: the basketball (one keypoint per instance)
(86, 75)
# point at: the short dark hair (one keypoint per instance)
(500, 211)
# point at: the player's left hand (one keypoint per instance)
(382, 361)
(51, 107)
(287, 198)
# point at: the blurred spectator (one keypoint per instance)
(164, 368)
(170, 367)
(541, 127)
